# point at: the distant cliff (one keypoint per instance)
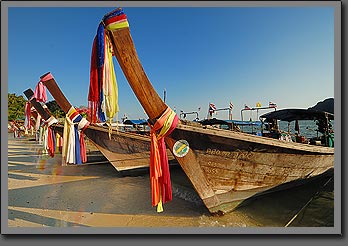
(327, 105)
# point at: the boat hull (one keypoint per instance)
(124, 150)
(227, 167)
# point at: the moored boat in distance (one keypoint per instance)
(225, 167)
(322, 120)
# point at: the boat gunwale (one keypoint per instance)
(115, 132)
(241, 136)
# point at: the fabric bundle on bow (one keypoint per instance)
(51, 142)
(74, 148)
(59, 143)
(37, 128)
(41, 134)
(116, 19)
(40, 92)
(27, 113)
(103, 91)
(49, 139)
(44, 134)
(161, 188)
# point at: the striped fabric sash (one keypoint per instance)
(161, 189)
(115, 20)
(49, 138)
(74, 148)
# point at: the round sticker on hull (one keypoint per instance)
(181, 148)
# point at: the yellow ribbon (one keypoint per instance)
(117, 25)
(159, 205)
(163, 124)
(167, 125)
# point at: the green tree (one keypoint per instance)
(16, 107)
(55, 110)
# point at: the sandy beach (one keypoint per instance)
(44, 193)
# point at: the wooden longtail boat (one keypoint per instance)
(124, 150)
(225, 167)
(45, 114)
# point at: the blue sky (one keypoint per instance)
(199, 55)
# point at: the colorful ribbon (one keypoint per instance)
(27, 114)
(103, 91)
(40, 92)
(59, 143)
(115, 20)
(48, 136)
(51, 142)
(74, 149)
(161, 189)
(44, 136)
(37, 128)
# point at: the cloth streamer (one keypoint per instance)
(51, 142)
(49, 139)
(74, 148)
(159, 169)
(40, 92)
(41, 134)
(103, 90)
(27, 113)
(161, 189)
(59, 143)
(44, 133)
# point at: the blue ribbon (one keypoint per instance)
(100, 63)
(77, 141)
(54, 140)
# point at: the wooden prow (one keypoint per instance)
(39, 108)
(135, 74)
(43, 112)
(126, 55)
(57, 94)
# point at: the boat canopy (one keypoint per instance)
(214, 121)
(135, 122)
(297, 114)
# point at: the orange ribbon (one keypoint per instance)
(159, 172)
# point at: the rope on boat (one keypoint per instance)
(310, 200)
